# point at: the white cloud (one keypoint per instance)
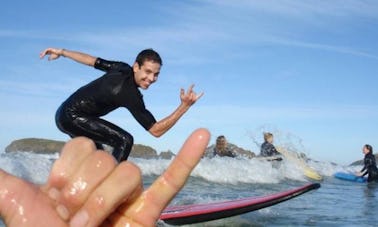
(299, 8)
(219, 25)
(325, 47)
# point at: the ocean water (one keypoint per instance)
(336, 203)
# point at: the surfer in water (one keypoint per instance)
(370, 166)
(81, 114)
(221, 148)
(267, 149)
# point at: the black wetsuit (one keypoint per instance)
(80, 114)
(226, 153)
(267, 149)
(370, 167)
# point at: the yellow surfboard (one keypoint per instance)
(307, 170)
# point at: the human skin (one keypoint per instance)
(88, 188)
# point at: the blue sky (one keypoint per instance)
(303, 69)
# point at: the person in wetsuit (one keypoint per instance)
(80, 114)
(370, 166)
(221, 149)
(267, 148)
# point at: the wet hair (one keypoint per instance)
(148, 55)
(267, 135)
(222, 137)
(369, 147)
(221, 143)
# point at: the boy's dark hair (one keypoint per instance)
(148, 55)
(221, 137)
(369, 147)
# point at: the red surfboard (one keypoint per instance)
(189, 214)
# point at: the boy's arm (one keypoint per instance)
(187, 100)
(162, 126)
(55, 53)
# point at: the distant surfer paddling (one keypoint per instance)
(80, 114)
(222, 149)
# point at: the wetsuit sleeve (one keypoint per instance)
(363, 169)
(106, 66)
(214, 152)
(142, 115)
(263, 150)
(232, 154)
(146, 119)
(368, 165)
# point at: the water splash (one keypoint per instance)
(232, 170)
(287, 140)
(29, 166)
(225, 170)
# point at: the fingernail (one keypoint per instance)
(80, 219)
(54, 194)
(63, 212)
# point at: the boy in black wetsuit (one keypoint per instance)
(370, 166)
(267, 148)
(80, 114)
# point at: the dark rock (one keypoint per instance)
(361, 162)
(142, 151)
(39, 146)
(45, 146)
(166, 155)
(357, 163)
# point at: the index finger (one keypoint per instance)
(161, 192)
(190, 90)
(179, 170)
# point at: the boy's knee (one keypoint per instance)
(128, 140)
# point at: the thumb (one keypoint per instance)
(22, 203)
(11, 197)
(53, 56)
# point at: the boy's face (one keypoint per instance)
(365, 150)
(146, 74)
(270, 139)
